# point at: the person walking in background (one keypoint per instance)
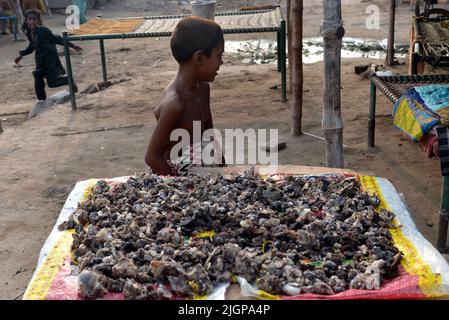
(82, 5)
(33, 5)
(43, 42)
(7, 9)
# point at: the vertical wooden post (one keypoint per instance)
(332, 31)
(1, 129)
(295, 56)
(283, 60)
(289, 40)
(391, 28)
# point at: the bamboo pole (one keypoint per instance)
(296, 65)
(332, 31)
(391, 28)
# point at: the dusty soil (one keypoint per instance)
(38, 170)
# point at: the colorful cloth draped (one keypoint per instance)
(420, 109)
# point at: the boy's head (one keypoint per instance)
(32, 19)
(201, 41)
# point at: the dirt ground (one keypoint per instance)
(38, 169)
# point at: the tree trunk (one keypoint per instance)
(289, 40)
(332, 31)
(296, 65)
(390, 49)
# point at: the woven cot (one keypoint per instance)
(166, 24)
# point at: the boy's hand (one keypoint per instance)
(17, 60)
(78, 49)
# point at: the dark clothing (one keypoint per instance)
(47, 60)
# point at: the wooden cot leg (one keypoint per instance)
(372, 115)
(444, 217)
(414, 63)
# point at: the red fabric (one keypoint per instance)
(431, 145)
(405, 286)
(65, 287)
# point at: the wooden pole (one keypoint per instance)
(289, 39)
(390, 48)
(417, 9)
(332, 31)
(296, 65)
(1, 129)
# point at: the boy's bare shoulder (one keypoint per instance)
(171, 103)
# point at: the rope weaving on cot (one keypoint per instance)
(108, 26)
(263, 19)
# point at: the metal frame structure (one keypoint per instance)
(393, 87)
(14, 21)
(281, 42)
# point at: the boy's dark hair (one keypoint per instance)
(30, 12)
(192, 34)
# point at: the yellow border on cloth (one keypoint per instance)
(51, 266)
(411, 261)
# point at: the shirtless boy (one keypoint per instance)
(197, 45)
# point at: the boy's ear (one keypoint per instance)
(198, 57)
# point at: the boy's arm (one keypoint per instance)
(208, 114)
(209, 122)
(27, 51)
(60, 40)
(23, 53)
(160, 139)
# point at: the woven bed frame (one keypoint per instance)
(254, 21)
(429, 43)
(393, 87)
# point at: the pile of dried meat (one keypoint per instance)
(156, 238)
